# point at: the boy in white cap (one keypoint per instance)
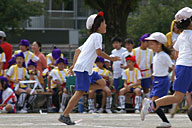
(83, 62)
(162, 63)
(183, 68)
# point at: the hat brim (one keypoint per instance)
(150, 38)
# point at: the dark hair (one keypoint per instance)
(4, 84)
(183, 24)
(116, 38)
(166, 50)
(3, 39)
(96, 24)
(128, 41)
(39, 44)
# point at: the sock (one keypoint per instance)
(161, 114)
(31, 99)
(146, 95)
(154, 104)
(91, 104)
(138, 100)
(21, 100)
(64, 100)
(49, 102)
(109, 102)
(122, 101)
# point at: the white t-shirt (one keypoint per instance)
(161, 64)
(28, 56)
(123, 56)
(131, 76)
(2, 57)
(184, 46)
(103, 72)
(116, 64)
(144, 59)
(21, 72)
(88, 54)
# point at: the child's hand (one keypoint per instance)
(115, 58)
(16, 81)
(70, 71)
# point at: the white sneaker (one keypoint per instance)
(22, 111)
(100, 110)
(164, 125)
(137, 111)
(91, 111)
(108, 111)
(144, 110)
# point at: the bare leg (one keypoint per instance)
(103, 99)
(72, 102)
(189, 100)
(100, 84)
(170, 99)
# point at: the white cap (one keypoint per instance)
(2, 34)
(90, 21)
(157, 36)
(183, 14)
(106, 60)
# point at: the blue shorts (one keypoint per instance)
(95, 77)
(160, 87)
(183, 82)
(118, 83)
(83, 80)
(146, 82)
(132, 89)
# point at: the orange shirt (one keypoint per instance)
(43, 63)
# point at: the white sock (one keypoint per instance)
(64, 100)
(108, 102)
(146, 95)
(138, 100)
(122, 101)
(91, 104)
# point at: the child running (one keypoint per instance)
(183, 68)
(83, 62)
(161, 65)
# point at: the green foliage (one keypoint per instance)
(14, 12)
(153, 15)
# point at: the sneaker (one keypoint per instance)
(91, 111)
(100, 110)
(137, 111)
(108, 111)
(66, 120)
(145, 108)
(164, 125)
(121, 111)
(22, 111)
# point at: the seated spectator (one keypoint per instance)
(8, 97)
(132, 83)
(106, 92)
(28, 55)
(42, 64)
(15, 74)
(57, 83)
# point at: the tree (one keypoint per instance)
(153, 15)
(13, 13)
(115, 13)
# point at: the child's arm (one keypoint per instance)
(105, 77)
(136, 84)
(49, 83)
(11, 80)
(104, 55)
